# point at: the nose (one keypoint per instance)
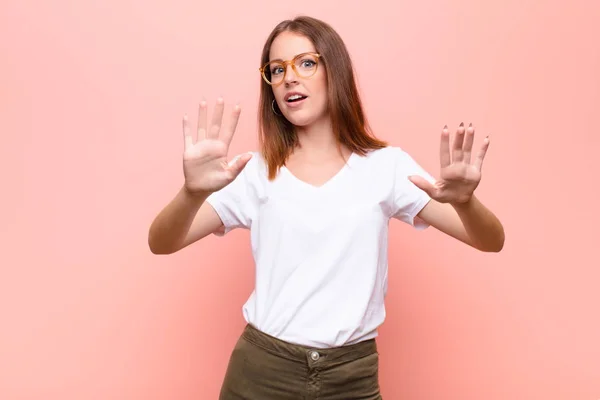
(290, 74)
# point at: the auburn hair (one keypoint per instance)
(277, 136)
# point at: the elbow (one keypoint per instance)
(158, 249)
(161, 250)
(155, 249)
(500, 246)
(500, 242)
(494, 246)
(497, 248)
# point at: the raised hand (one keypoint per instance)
(459, 177)
(205, 165)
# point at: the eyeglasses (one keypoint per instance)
(304, 65)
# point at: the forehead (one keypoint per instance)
(289, 44)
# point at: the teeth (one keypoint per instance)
(294, 97)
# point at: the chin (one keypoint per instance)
(298, 119)
(302, 119)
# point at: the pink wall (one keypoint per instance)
(92, 95)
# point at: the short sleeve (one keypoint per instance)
(409, 200)
(237, 203)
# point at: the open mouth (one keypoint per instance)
(295, 98)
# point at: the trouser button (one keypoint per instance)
(314, 355)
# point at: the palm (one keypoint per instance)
(205, 165)
(459, 176)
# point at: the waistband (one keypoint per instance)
(303, 353)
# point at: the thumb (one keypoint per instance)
(237, 164)
(422, 184)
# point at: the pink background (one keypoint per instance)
(92, 95)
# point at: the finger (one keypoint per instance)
(445, 147)
(215, 124)
(422, 184)
(187, 138)
(482, 153)
(229, 130)
(468, 145)
(202, 120)
(237, 164)
(458, 143)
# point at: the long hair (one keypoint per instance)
(277, 136)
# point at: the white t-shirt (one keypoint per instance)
(321, 253)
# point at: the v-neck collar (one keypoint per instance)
(327, 183)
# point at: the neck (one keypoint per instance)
(318, 140)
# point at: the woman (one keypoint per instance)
(317, 199)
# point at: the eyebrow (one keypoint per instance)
(304, 52)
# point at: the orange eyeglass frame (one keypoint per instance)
(285, 63)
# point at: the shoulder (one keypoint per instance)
(256, 162)
(396, 160)
(390, 155)
(255, 170)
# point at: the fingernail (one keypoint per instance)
(462, 124)
(445, 126)
(470, 124)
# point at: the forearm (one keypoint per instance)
(171, 226)
(485, 231)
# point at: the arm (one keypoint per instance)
(453, 208)
(185, 220)
(189, 217)
(471, 223)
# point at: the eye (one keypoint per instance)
(276, 70)
(307, 63)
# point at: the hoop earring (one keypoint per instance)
(273, 108)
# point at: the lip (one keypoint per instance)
(290, 94)
(295, 104)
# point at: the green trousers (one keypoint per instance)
(262, 367)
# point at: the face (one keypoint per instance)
(312, 105)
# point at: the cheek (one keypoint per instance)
(321, 91)
(278, 93)
(317, 89)
(320, 82)
(322, 87)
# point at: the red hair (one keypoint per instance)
(277, 136)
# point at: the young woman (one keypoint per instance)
(317, 199)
